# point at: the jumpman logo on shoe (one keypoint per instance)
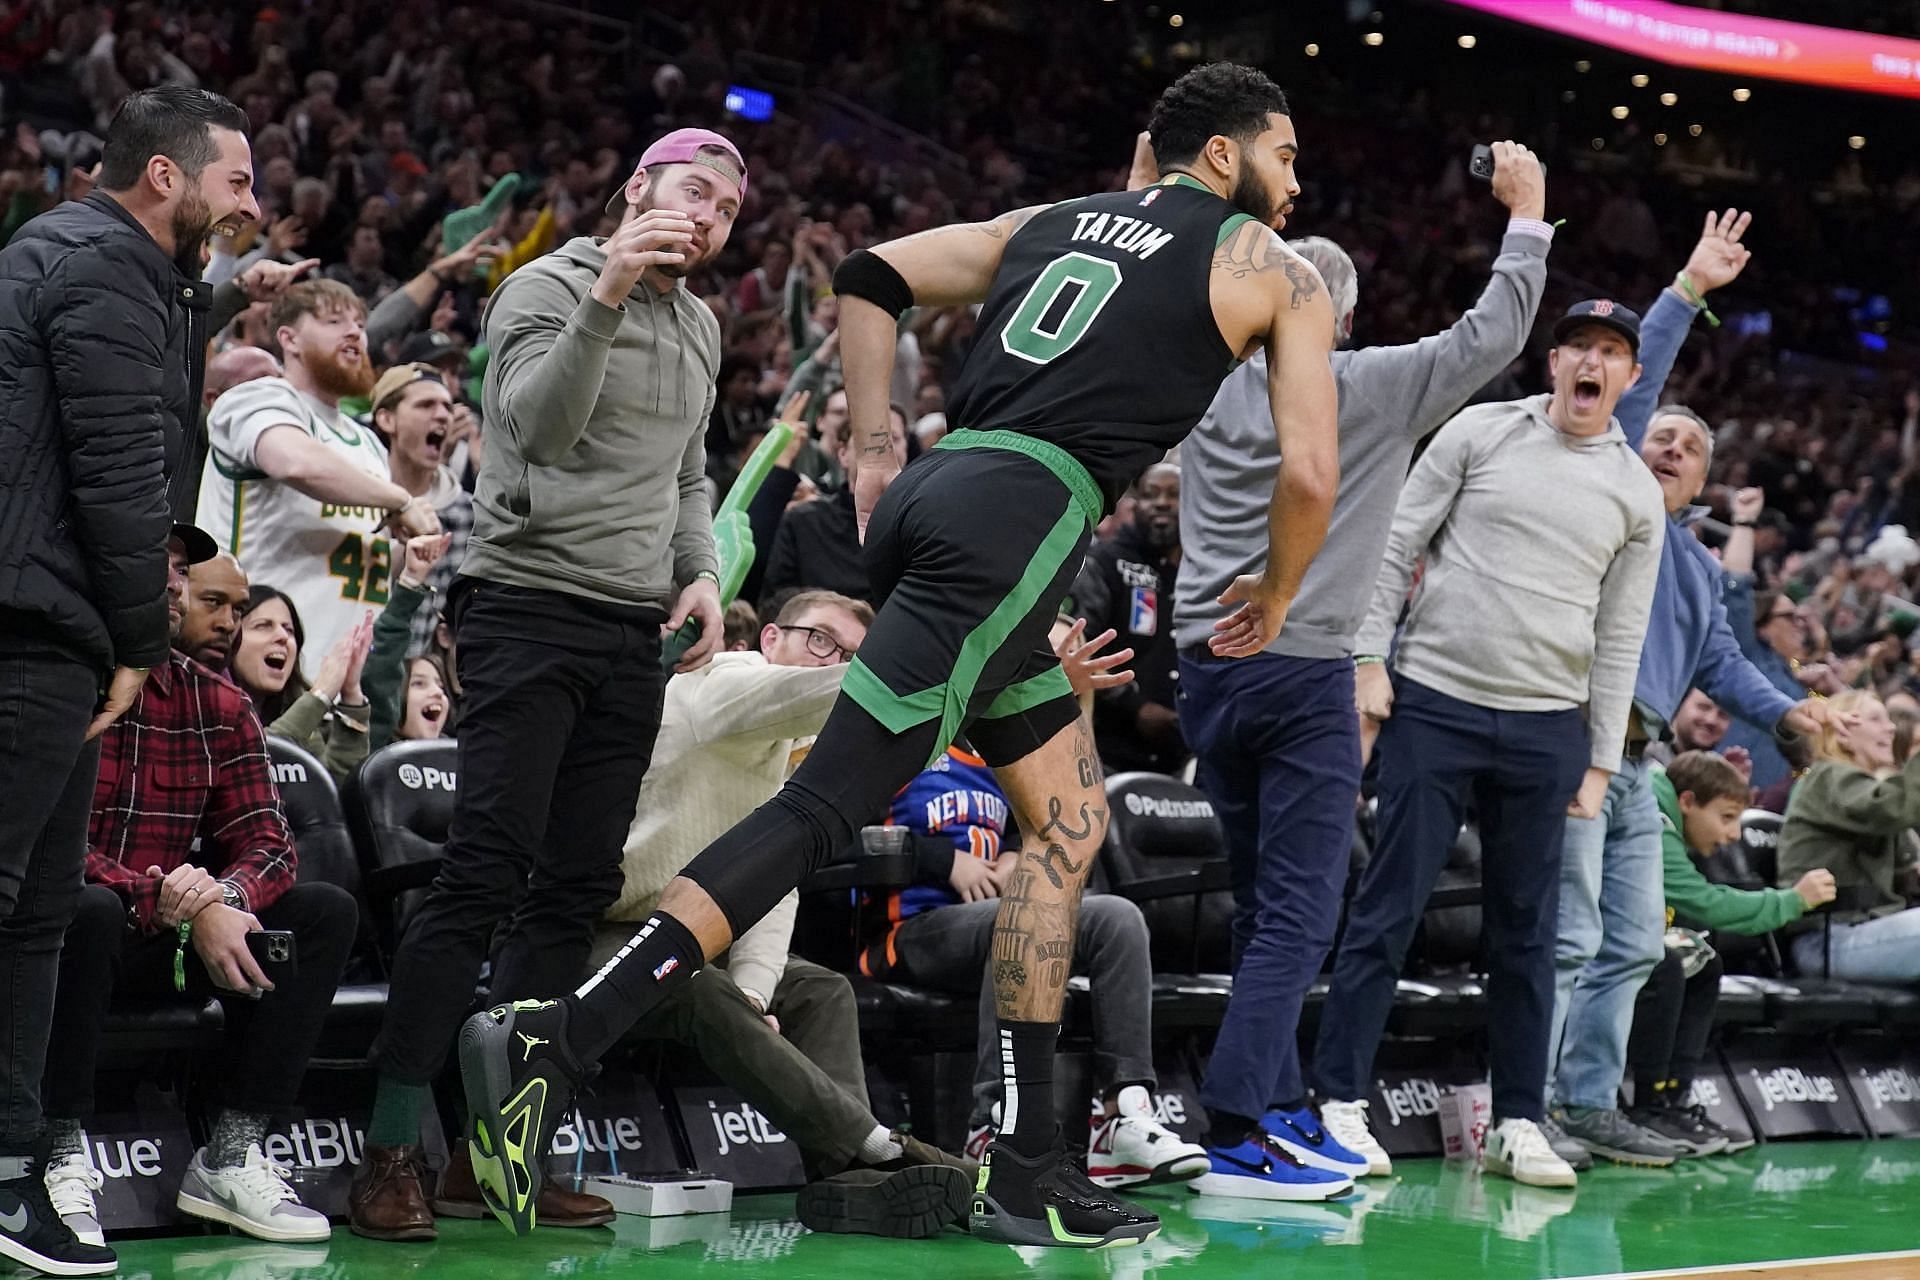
(532, 1043)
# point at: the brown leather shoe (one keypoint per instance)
(557, 1207)
(386, 1202)
(915, 1152)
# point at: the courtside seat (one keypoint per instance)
(327, 855)
(1166, 851)
(1743, 1000)
(400, 805)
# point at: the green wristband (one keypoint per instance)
(1369, 660)
(185, 932)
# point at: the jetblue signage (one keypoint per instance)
(1886, 1082)
(618, 1128)
(732, 1139)
(141, 1154)
(324, 1138)
(1404, 1107)
(1791, 1094)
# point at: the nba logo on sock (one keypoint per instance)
(1150, 197)
(1144, 616)
(666, 967)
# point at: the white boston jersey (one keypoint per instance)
(325, 556)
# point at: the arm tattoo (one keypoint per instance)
(1304, 279)
(1255, 249)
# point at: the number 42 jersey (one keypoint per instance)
(1098, 334)
(325, 556)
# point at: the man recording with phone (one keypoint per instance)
(1278, 741)
(189, 892)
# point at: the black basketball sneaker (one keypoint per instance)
(1050, 1200)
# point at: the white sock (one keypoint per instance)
(879, 1147)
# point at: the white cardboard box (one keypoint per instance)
(1466, 1113)
(663, 1197)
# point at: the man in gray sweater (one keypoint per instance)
(591, 529)
(1276, 733)
(1541, 530)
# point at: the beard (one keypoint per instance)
(335, 378)
(1161, 536)
(695, 261)
(1251, 197)
(192, 223)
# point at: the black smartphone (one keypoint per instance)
(273, 951)
(1480, 163)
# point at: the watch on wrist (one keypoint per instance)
(231, 896)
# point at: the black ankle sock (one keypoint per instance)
(1290, 1105)
(660, 956)
(1226, 1129)
(1650, 1093)
(1026, 1078)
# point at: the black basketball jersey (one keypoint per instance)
(1098, 334)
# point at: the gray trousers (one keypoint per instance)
(808, 1078)
(948, 949)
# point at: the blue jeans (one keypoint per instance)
(1278, 746)
(1520, 768)
(1613, 916)
(1886, 949)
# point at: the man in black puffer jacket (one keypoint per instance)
(96, 401)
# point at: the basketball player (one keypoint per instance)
(1109, 323)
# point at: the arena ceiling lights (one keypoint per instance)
(1683, 36)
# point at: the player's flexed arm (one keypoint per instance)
(1266, 294)
(942, 267)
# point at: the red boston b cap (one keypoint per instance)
(683, 146)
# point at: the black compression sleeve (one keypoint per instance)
(863, 274)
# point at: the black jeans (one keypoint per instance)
(561, 703)
(1671, 1022)
(271, 1038)
(46, 791)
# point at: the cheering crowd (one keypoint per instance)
(456, 404)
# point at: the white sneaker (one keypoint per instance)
(1130, 1146)
(254, 1198)
(72, 1184)
(1347, 1122)
(1517, 1149)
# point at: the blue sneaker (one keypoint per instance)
(1261, 1169)
(1302, 1135)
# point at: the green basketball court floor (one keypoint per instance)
(1801, 1200)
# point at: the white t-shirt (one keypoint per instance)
(326, 557)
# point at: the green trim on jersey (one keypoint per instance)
(1231, 225)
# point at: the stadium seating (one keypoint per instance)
(400, 805)
(326, 852)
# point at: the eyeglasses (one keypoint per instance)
(821, 644)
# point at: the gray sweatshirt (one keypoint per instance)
(1390, 399)
(595, 423)
(1541, 554)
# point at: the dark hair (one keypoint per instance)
(742, 624)
(1763, 604)
(172, 121)
(1708, 777)
(406, 693)
(1222, 98)
(272, 706)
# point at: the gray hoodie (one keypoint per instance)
(594, 478)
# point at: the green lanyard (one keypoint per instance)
(185, 932)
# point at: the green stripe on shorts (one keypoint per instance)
(949, 699)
